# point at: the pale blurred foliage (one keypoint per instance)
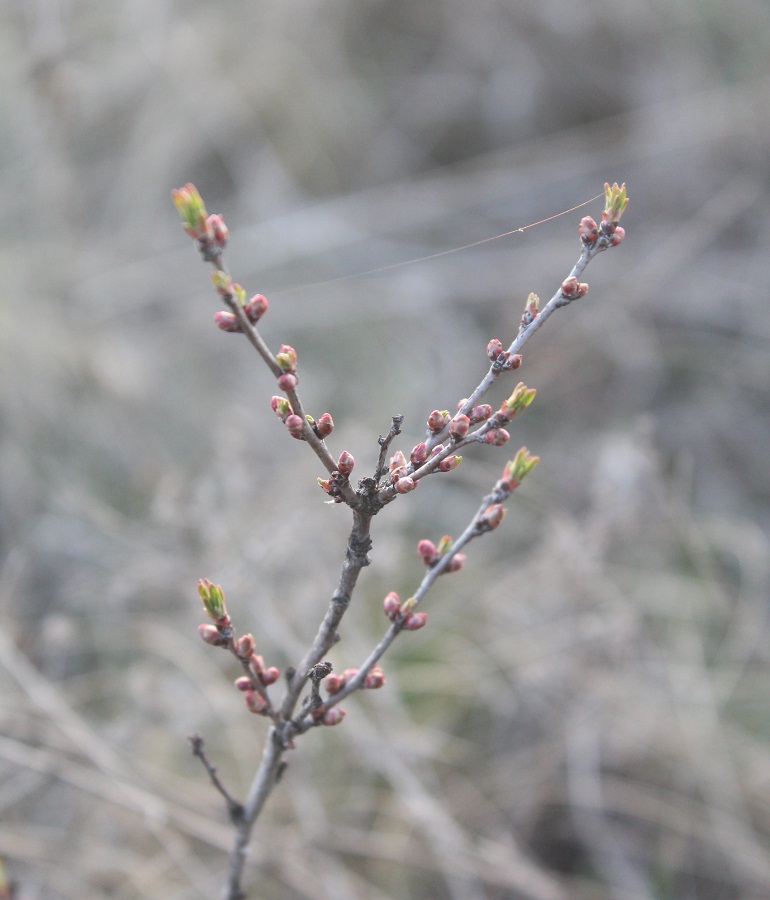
(585, 715)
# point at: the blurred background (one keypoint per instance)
(587, 713)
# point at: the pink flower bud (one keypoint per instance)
(405, 485)
(281, 407)
(269, 676)
(375, 679)
(437, 420)
(480, 413)
(324, 426)
(244, 683)
(256, 308)
(414, 621)
(427, 552)
(295, 425)
(620, 233)
(419, 454)
(397, 461)
(244, 646)
(456, 563)
(216, 225)
(345, 463)
(571, 289)
(497, 437)
(210, 634)
(288, 381)
(588, 230)
(494, 349)
(392, 605)
(459, 427)
(437, 449)
(286, 358)
(226, 321)
(256, 664)
(492, 517)
(334, 683)
(451, 462)
(255, 702)
(333, 716)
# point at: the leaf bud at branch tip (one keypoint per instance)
(615, 203)
(213, 599)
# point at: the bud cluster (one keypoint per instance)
(254, 309)
(401, 613)
(431, 555)
(572, 289)
(375, 678)
(287, 362)
(339, 477)
(502, 360)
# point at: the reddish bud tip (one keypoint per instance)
(218, 230)
(244, 646)
(288, 381)
(226, 321)
(497, 437)
(480, 413)
(286, 358)
(345, 463)
(392, 605)
(269, 676)
(375, 679)
(459, 427)
(588, 230)
(571, 289)
(492, 517)
(255, 702)
(451, 462)
(494, 349)
(419, 454)
(427, 552)
(334, 683)
(414, 621)
(405, 485)
(210, 634)
(456, 563)
(324, 426)
(256, 308)
(281, 407)
(437, 420)
(295, 424)
(244, 683)
(620, 233)
(333, 716)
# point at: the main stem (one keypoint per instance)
(279, 737)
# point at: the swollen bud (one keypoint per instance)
(295, 424)
(459, 427)
(375, 679)
(392, 605)
(256, 308)
(210, 634)
(255, 702)
(419, 454)
(449, 463)
(324, 426)
(437, 420)
(333, 716)
(288, 381)
(405, 485)
(494, 349)
(571, 289)
(287, 358)
(427, 552)
(281, 407)
(497, 437)
(414, 621)
(345, 463)
(227, 321)
(244, 646)
(491, 517)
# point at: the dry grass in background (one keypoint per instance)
(586, 714)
